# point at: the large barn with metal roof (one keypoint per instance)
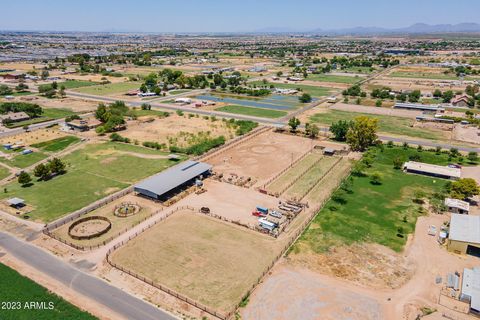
(162, 185)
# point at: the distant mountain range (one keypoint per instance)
(418, 28)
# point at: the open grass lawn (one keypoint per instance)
(333, 78)
(15, 287)
(4, 172)
(24, 160)
(56, 145)
(387, 124)
(18, 94)
(425, 75)
(71, 84)
(179, 91)
(207, 260)
(47, 115)
(111, 88)
(251, 111)
(314, 91)
(366, 70)
(374, 213)
(92, 173)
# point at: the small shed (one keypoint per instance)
(16, 202)
(457, 206)
(329, 151)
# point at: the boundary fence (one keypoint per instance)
(321, 178)
(224, 316)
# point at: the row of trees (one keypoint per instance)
(43, 171)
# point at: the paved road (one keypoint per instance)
(272, 122)
(113, 298)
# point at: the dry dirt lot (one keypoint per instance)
(230, 201)
(36, 136)
(210, 261)
(74, 104)
(296, 293)
(466, 133)
(374, 110)
(173, 126)
(119, 224)
(262, 156)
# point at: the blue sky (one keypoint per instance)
(228, 15)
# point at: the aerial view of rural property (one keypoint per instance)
(240, 160)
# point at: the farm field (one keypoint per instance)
(424, 75)
(109, 89)
(272, 102)
(92, 173)
(261, 157)
(388, 124)
(15, 287)
(72, 84)
(250, 111)
(57, 144)
(351, 216)
(278, 185)
(199, 257)
(333, 78)
(314, 91)
(366, 70)
(311, 177)
(119, 224)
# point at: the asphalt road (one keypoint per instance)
(113, 298)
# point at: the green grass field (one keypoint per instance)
(72, 84)
(92, 173)
(108, 89)
(4, 172)
(16, 288)
(333, 78)
(365, 70)
(56, 145)
(373, 213)
(18, 94)
(24, 160)
(387, 124)
(312, 90)
(250, 111)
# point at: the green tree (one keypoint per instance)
(340, 129)
(24, 178)
(473, 156)
(41, 171)
(313, 130)
(294, 123)
(464, 188)
(363, 133)
(56, 166)
(376, 178)
(305, 98)
(378, 103)
(397, 163)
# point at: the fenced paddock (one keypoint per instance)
(262, 156)
(206, 260)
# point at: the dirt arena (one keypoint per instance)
(262, 156)
(210, 261)
(230, 201)
(36, 136)
(119, 224)
(74, 104)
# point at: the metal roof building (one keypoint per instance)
(432, 170)
(457, 206)
(177, 176)
(471, 288)
(417, 106)
(464, 235)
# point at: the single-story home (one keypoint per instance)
(83, 124)
(460, 101)
(15, 116)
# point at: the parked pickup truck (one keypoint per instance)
(259, 214)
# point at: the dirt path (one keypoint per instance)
(293, 292)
